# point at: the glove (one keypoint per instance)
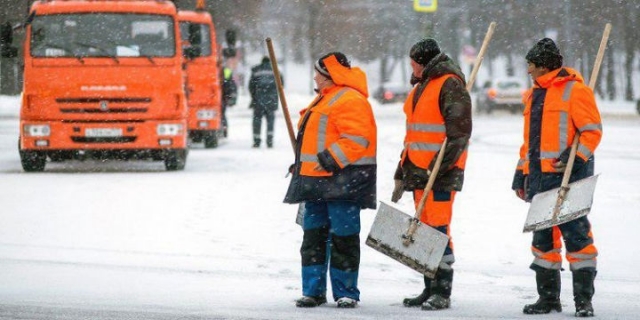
(398, 190)
(559, 165)
(520, 194)
(290, 170)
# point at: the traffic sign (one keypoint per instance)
(425, 5)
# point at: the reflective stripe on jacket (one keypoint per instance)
(426, 129)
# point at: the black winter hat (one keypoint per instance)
(342, 59)
(424, 50)
(545, 54)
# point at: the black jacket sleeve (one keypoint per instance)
(327, 162)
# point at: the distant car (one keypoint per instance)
(392, 92)
(504, 94)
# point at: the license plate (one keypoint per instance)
(103, 132)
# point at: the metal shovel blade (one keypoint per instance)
(423, 254)
(576, 204)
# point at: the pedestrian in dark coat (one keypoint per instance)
(229, 96)
(264, 100)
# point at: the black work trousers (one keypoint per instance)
(258, 114)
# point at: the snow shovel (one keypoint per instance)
(404, 238)
(285, 113)
(407, 240)
(564, 204)
(571, 200)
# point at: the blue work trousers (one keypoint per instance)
(331, 240)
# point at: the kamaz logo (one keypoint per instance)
(104, 106)
(103, 88)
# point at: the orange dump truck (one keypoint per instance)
(103, 80)
(203, 83)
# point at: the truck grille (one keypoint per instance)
(98, 110)
(103, 105)
(98, 100)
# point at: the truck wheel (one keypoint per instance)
(33, 161)
(175, 160)
(211, 140)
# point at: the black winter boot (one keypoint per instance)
(420, 299)
(310, 302)
(548, 284)
(440, 291)
(583, 291)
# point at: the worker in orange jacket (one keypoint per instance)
(334, 176)
(558, 107)
(438, 107)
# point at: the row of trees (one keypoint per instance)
(384, 30)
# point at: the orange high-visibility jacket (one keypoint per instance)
(338, 125)
(341, 122)
(569, 107)
(426, 126)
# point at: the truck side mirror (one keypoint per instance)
(230, 36)
(6, 38)
(6, 33)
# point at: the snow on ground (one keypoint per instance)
(127, 240)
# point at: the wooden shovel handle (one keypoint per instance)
(432, 179)
(407, 238)
(480, 57)
(283, 101)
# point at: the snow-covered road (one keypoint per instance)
(127, 240)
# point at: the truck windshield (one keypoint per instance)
(102, 35)
(197, 35)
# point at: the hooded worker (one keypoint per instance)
(558, 109)
(334, 177)
(437, 108)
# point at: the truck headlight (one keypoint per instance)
(37, 130)
(205, 114)
(169, 129)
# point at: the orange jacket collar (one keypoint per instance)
(553, 77)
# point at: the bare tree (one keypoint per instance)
(384, 30)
